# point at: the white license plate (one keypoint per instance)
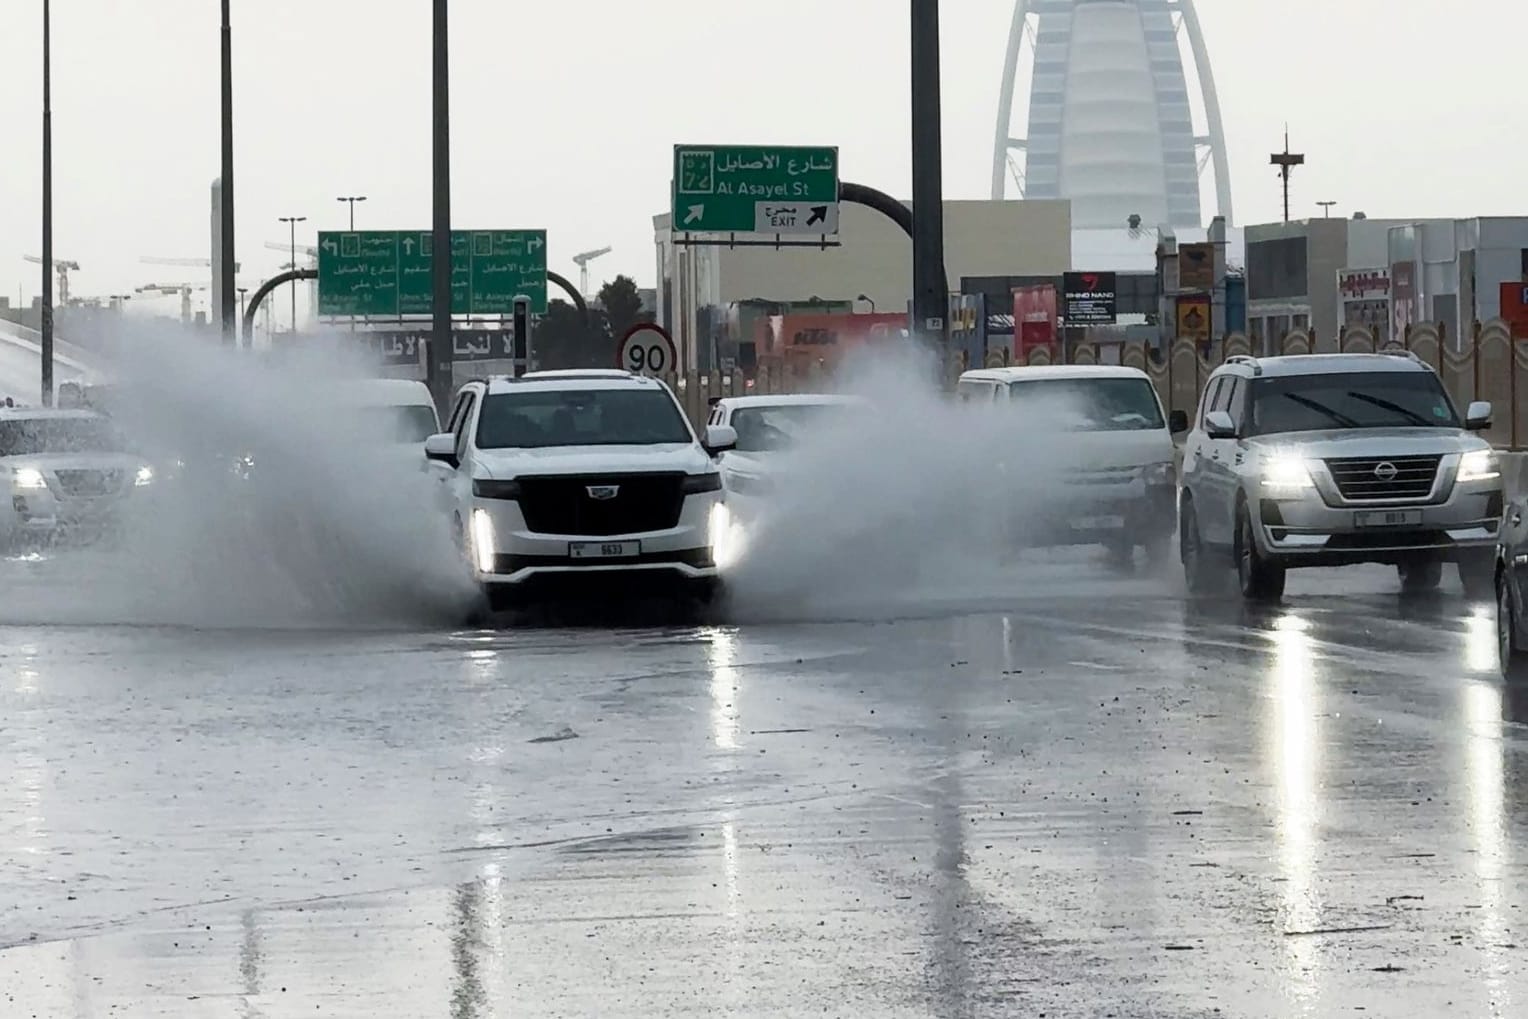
(603, 549)
(1111, 523)
(1387, 518)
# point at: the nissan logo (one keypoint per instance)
(604, 493)
(1385, 471)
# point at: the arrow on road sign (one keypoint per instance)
(696, 211)
(331, 247)
(819, 213)
(535, 244)
(408, 245)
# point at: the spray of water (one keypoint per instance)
(328, 528)
(921, 504)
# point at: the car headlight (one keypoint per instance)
(29, 478)
(1286, 472)
(1158, 474)
(1479, 465)
(482, 540)
(145, 476)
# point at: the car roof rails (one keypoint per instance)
(1247, 359)
(1396, 350)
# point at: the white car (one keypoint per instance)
(1116, 482)
(66, 470)
(768, 427)
(395, 411)
(588, 477)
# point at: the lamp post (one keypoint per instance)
(292, 222)
(351, 200)
(46, 310)
(1326, 209)
(930, 302)
(439, 362)
(225, 256)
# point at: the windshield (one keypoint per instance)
(1309, 403)
(780, 426)
(1095, 405)
(411, 424)
(32, 436)
(580, 417)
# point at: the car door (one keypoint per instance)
(1196, 459)
(1221, 468)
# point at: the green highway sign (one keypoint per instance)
(388, 273)
(755, 189)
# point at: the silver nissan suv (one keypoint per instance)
(1335, 459)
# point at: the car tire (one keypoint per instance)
(1420, 575)
(1260, 579)
(1200, 571)
(1477, 572)
(1513, 656)
(1158, 552)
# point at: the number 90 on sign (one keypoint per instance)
(647, 350)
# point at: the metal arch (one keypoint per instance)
(259, 296)
(1211, 108)
(578, 299)
(1000, 143)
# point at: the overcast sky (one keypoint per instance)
(564, 114)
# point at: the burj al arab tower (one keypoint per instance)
(1111, 124)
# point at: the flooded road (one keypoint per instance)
(1076, 799)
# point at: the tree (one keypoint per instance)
(561, 341)
(622, 304)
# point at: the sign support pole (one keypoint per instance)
(441, 354)
(930, 301)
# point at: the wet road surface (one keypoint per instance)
(1084, 798)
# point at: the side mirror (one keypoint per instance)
(1177, 422)
(719, 439)
(1478, 417)
(1218, 425)
(441, 447)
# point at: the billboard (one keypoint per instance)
(1194, 318)
(1034, 319)
(1404, 306)
(825, 336)
(1196, 266)
(1363, 300)
(1514, 307)
(1091, 298)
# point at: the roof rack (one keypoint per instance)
(1257, 368)
(1392, 350)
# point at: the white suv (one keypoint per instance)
(1332, 459)
(582, 476)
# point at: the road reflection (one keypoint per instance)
(1295, 754)
(1488, 828)
(725, 690)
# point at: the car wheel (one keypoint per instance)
(1158, 551)
(1420, 575)
(1477, 573)
(1260, 580)
(1512, 656)
(1199, 566)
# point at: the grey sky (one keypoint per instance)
(565, 113)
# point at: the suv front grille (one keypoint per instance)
(563, 505)
(89, 483)
(1370, 479)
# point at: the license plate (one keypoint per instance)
(604, 549)
(1107, 523)
(1387, 518)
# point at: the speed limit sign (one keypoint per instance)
(648, 348)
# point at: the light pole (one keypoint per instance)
(226, 267)
(351, 200)
(438, 364)
(242, 292)
(930, 302)
(46, 311)
(1326, 209)
(868, 300)
(292, 222)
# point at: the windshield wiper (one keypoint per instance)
(1320, 408)
(1394, 408)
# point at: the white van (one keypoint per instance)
(396, 411)
(1113, 479)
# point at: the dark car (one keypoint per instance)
(1511, 589)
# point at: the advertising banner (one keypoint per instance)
(1091, 298)
(1194, 318)
(1034, 319)
(1196, 266)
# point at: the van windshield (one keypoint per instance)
(1092, 405)
(408, 424)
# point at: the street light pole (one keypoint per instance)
(351, 200)
(1326, 209)
(438, 366)
(292, 221)
(225, 192)
(47, 206)
(930, 302)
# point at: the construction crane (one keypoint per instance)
(62, 266)
(582, 260)
(205, 263)
(185, 290)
